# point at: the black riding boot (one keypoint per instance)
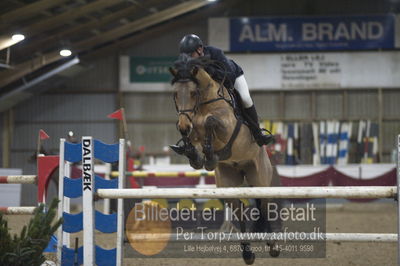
(252, 119)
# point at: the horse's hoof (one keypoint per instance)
(274, 250)
(198, 164)
(248, 256)
(178, 149)
(210, 165)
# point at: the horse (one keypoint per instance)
(216, 137)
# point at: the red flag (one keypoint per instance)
(141, 149)
(116, 115)
(43, 135)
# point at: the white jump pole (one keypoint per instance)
(88, 186)
(227, 237)
(88, 201)
(18, 179)
(120, 209)
(67, 205)
(106, 202)
(17, 210)
(167, 174)
(398, 199)
(61, 200)
(253, 192)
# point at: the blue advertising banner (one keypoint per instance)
(312, 33)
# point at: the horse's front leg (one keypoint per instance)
(211, 125)
(195, 158)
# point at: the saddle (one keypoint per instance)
(218, 72)
(237, 105)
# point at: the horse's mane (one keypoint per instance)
(185, 64)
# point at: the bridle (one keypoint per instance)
(220, 93)
(196, 105)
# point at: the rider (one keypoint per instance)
(192, 45)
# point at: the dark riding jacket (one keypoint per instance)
(232, 69)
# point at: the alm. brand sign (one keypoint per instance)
(305, 33)
(313, 33)
(150, 69)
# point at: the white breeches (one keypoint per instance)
(243, 90)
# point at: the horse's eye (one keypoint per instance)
(193, 93)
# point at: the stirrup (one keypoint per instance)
(263, 139)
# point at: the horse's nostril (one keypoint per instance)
(185, 131)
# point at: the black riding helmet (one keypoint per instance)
(190, 43)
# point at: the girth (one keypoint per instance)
(226, 152)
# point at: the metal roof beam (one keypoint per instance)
(141, 24)
(22, 69)
(216, 9)
(18, 71)
(63, 18)
(52, 22)
(93, 24)
(27, 11)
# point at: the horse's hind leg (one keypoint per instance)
(263, 174)
(228, 176)
(236, 214)
(211, 125)
(276, 224)
(247, 254)
(271, 225)
(265, 225)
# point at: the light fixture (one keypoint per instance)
(17, 37)
(10, 40)
(245, 20)
(211, 0)
(65, 52)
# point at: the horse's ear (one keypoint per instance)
(173, 71)
(194, 71)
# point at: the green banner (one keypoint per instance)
(150, 69)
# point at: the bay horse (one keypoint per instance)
(216, 138)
